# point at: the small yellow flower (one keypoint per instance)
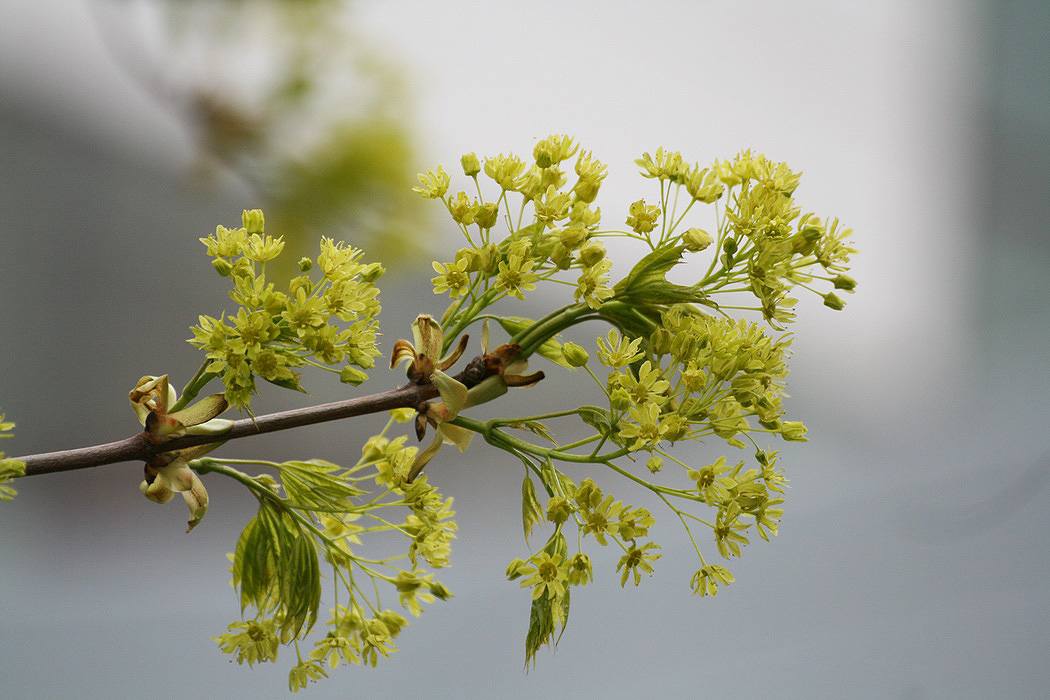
(434, 184)
(452, 278)
(642, 218)
(548, 575)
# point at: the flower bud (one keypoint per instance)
(471, 164)
(793, 431)
(403, 415)
(654, 464)
(485, 215)
(558, 510)
(844, 283)
(305, 264)
(221, 266)
(696, 240)
(619, 399)
(372, 271)
(439, 591)
(660, 341)
(833, 302)
(352, 375)
(592, 253)
(574, 354)
(573, 237)
(252, 220)
(515, 569)
(374, 448)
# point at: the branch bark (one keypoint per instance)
(137, 448)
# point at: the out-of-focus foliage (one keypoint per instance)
(288, 98)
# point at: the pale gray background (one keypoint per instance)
(912, 561)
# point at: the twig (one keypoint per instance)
(137, 448)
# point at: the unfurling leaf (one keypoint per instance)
(531, 512)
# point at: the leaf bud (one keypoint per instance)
(574, 354)
(471, 164)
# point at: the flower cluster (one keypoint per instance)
(704, 361)
(325, 322)
(552, 230)
(315, 514)
(679, 364)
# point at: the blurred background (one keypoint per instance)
(912, 560)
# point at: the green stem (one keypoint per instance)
(194, 386)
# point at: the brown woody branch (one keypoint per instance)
(138, 448)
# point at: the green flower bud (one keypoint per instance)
(558, 510)
(462, 209)
(573, 237)
(252, 220)
(543, 155)
(654, 464)
(438, 590)
(683, 345)
(352, 375)
(374, 449)
(845, 283)
(696, 240)
(586, 190)
(592, 253)
(812, 230)
(574, 354)
(729, 246)
(561, 257)
(471, 164)
(222, 267)
(619, 399)
(485, 215)
(660, 341)
(515, 569)
(833, 302)
(305, 264)
(793, 431)
(372, 271)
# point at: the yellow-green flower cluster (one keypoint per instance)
(551, 228)
(326, 322)
(10, 469)
(314, 514)
(552, 571)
